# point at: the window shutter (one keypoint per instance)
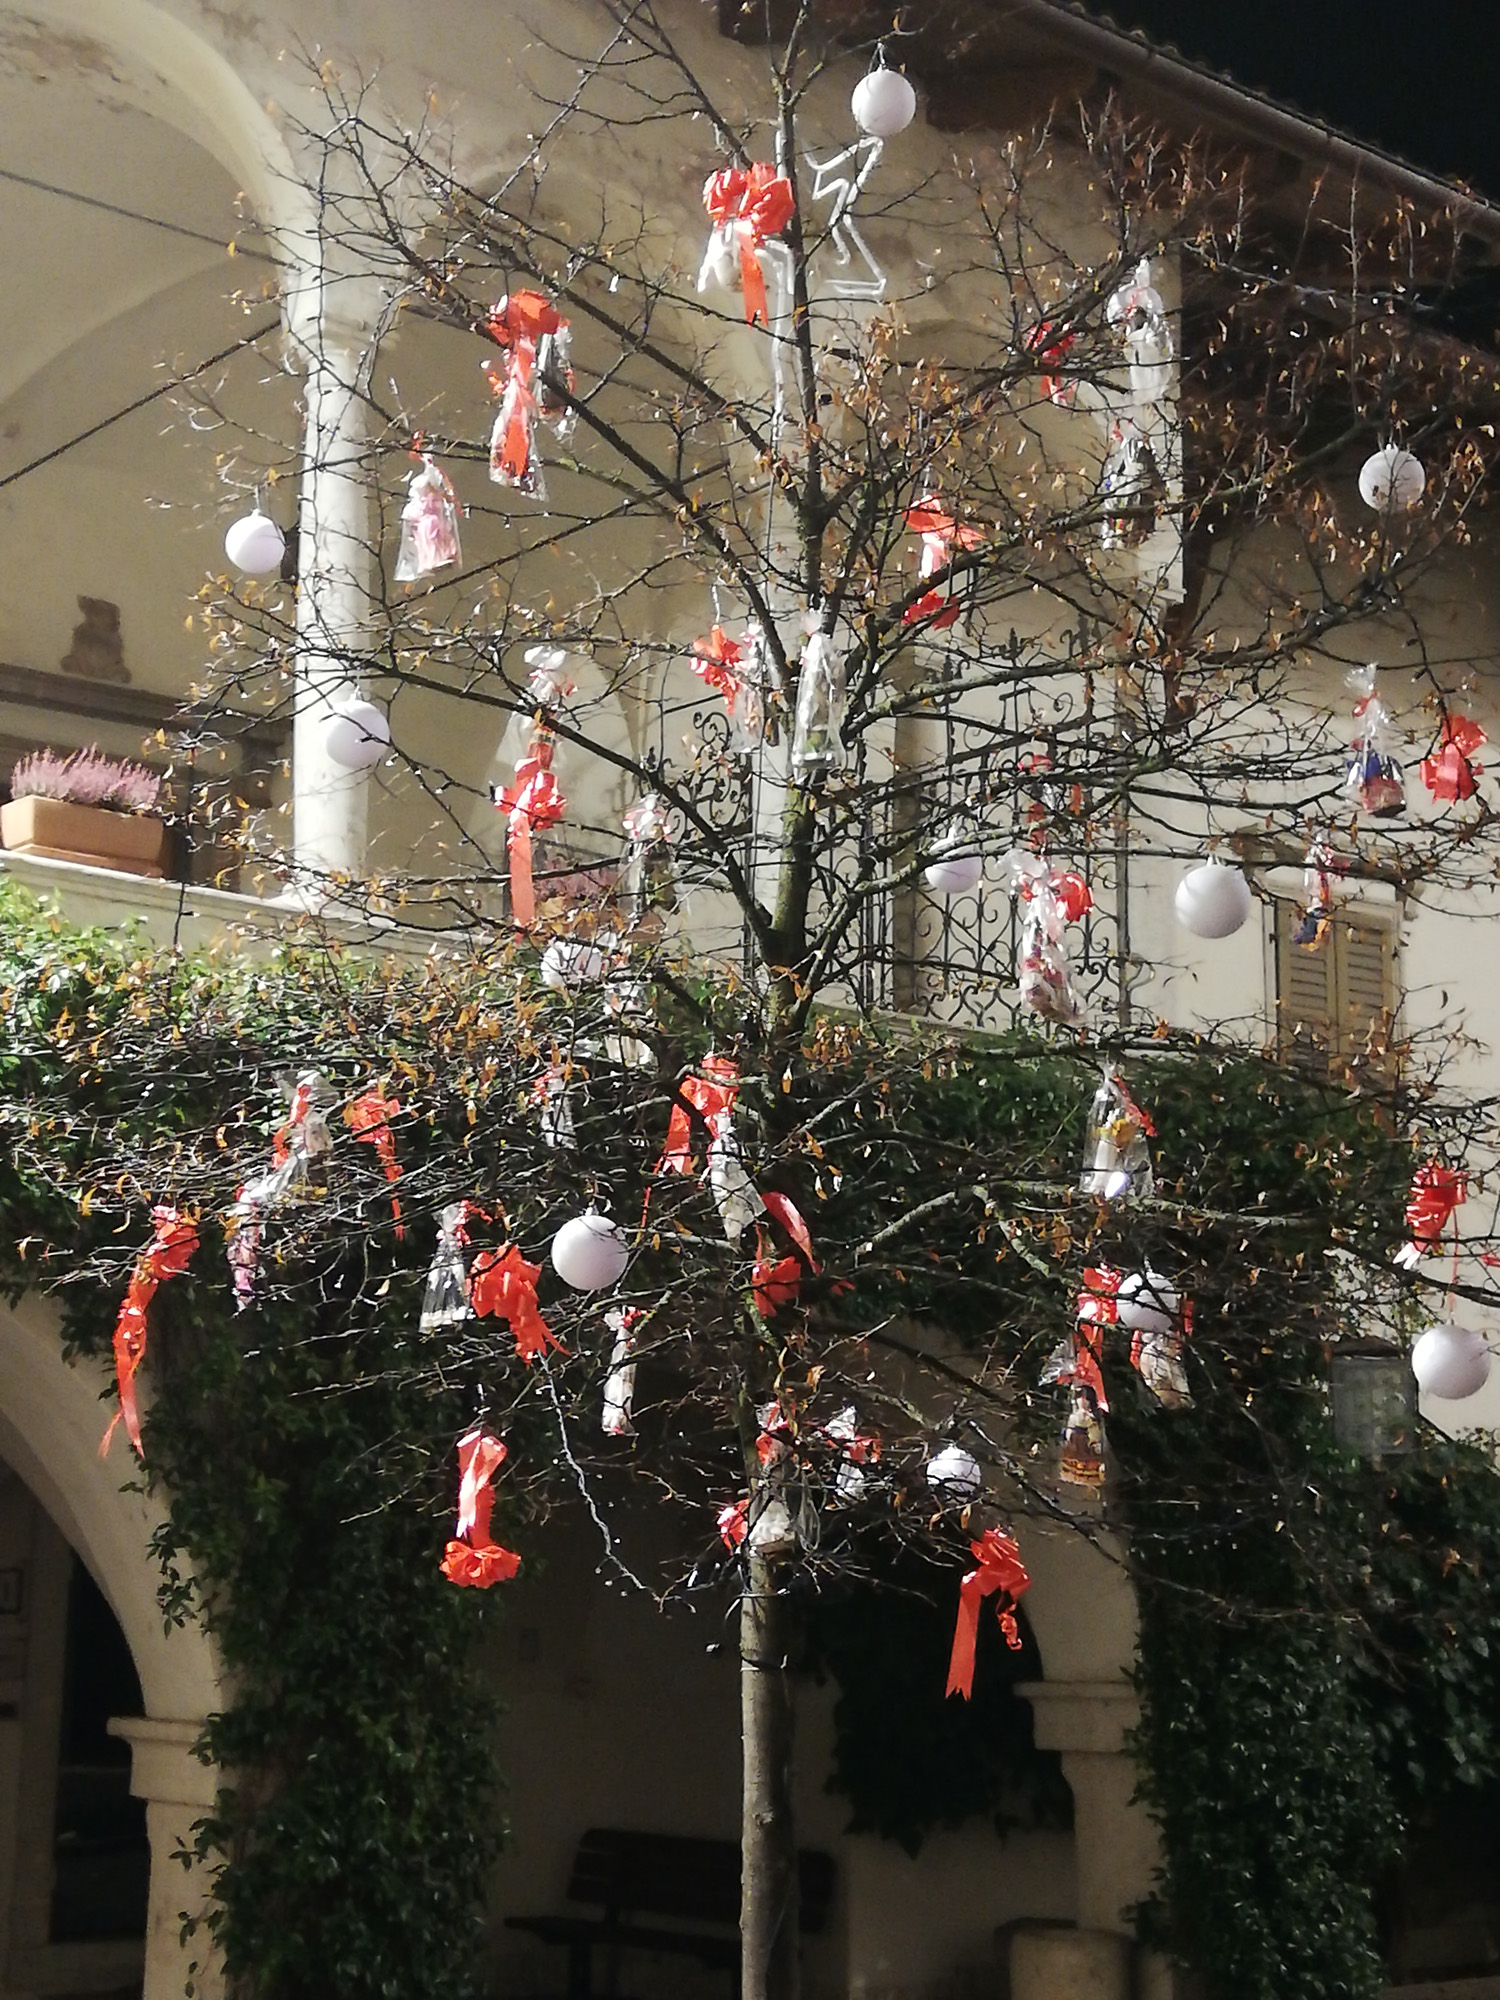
(1364, 988)
(1339, 997)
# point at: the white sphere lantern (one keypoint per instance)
(1451, 1362)
(1147, 1303)
(357, 734)
(590, 1252)
(954, 1474)
(1391, 480)
(883, 103)
(1212, 901)
(568, 963)
(952, 871)
(255, 544)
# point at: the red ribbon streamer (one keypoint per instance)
(760, 204)
(297, 1110)
(710, 1093)
(519, 323)
(939, 532)
(533, 802)
(369, 1118)
(1450, 773)
(733, 1524)
(503, 1283)
(999, 1572)
(714, 661)
(1436, 1191)
(476, 1559)
(165, 1256)
(777, 1282)
(1053, 346)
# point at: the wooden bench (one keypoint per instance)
(633, 1875)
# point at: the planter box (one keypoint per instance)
(129, 843)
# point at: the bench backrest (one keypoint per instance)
(668, 1875)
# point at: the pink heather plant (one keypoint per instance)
(86, 778)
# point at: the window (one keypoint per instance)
(1341, 997)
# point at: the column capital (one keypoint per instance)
(1093, 1717)
(164, 1768)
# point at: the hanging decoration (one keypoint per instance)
(777, 1281)
(1116, 1157)
(884, 102)
(254, 543)
(368, 1117)
(1212, 900)
(954, 1475)
(956, 865)
(734, 1193)
(1051, 345)
(619, 1383)
(1391, 480)
(1374, 777)
(747, 207)
(1081, 1457)
(429, 525)
(999, 1573)
(535, 380)
(174, 1240)
(1158, 1320)
(1139, 314)
(1054, 898)
(711, 1092)
(1452, 1362)
(857, 1449)
(717, 661)
(301, 1139)
(532, 802)
(822, 696)
(356, 733)
(570, 962)
(650, 866)
(1131, 488)
(770, 1533)
(1449, 772)
(474, 1558)
(1436, 1192)
(445, 1301)
(551, 1096)
(503, 1283)
(940, 534)
(590, 1252)
(1317, 897)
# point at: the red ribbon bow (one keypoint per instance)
(369, 1118)
(759, 203)
(503, 1283)
(476, 1560)
(710, 1093)
(519, 323)
(776, 1282)
(165, 1256)
(1001, 1573)
(714, 661)
(1436, 1191)
(1450, 773)
(533, 803)
(1053, 346)
(296, 1114)
(939, 532)
(733, 1524)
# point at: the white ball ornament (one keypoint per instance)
(1391, 480)
(255, 544)
(566, 964)
(883, 103)
(590, 1252)
(1147, 1303)
(1451, 1362)
(954, 1474)
(1212, 901)
(357, 735)
(951, 871)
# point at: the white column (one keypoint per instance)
(178, 1790)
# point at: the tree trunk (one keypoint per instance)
(768, 1839)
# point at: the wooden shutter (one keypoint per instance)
(1340, 998)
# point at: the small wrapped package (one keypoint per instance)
(651, 866)
(429, 526)
(1116, 1156)
(1045, 977)
(1317, 898)
(534, 381)
(445, 1302)
(551, 1096)
(822, 697)
(1080, 1460)
(1131, 488)
(1138, 312)
(1373, 776)
(619, 1383)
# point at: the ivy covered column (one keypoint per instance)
(178, 1790)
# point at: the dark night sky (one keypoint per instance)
(1420, 80)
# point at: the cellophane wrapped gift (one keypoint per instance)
(1373, 776)
(822, 696)
(1116, 1155)
(429, 526)
(1045, 977)
(445, 1302)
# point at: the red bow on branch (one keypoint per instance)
(757, 204)
(165, 1256)
(1450, 773)
(533, 803)
(776, 1282)
(714, 661)
(369, 1118)
(1097, 1308)
(519, 324)
(710, 1093)
(1436, 1191)
(733, 1524)
(1053, 347)
(503, 1283)
(477, 1560)
(1001, 1574)
(939, 532)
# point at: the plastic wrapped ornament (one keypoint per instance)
(254, 544)
(1213, 901)
(650, 866)
(822, 696)
(1373, 776)
(619, 1383)
(1452, 1362)
(534, 381)
(554, 1102)
(1052, 345)
(1317, 898)
(357, 734)
(1150, 1308)
(772, 1531)
(956, 866)
(883, 103)
(569, 962)
(954, 1475)
(429, 525)
(1080, 1460)
(1044, 975)
(302, 1139)
(1450, 771)
(1139, 313)
(590, 1252)
(1116, 1157)
(1391, 480)
(747, 206)
(445, 1302)
(735, 1195)
(1131, 488)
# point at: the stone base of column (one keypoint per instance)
(178, 1790)
(1056, 1964)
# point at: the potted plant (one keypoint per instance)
(85, 807)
